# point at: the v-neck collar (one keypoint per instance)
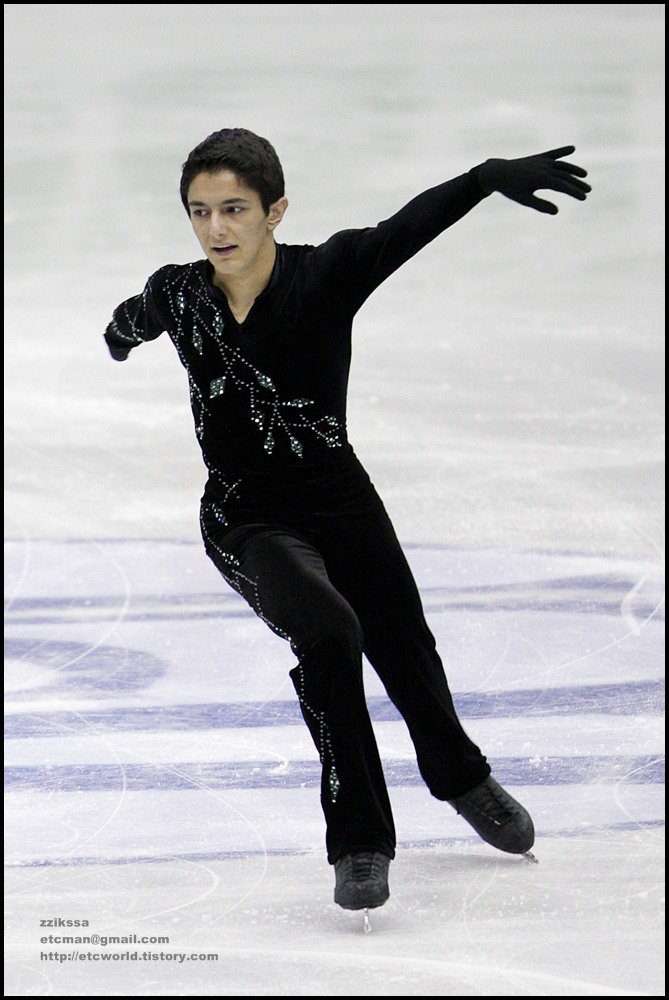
(269, 287)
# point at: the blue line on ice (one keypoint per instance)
(307, 774)
(573, 595)
(195, 857)
(629, 698)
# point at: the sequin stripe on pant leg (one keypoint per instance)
(320, 732)
(354, 797)
(236, 579)
(234, 576)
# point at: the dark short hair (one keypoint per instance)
(251, 158)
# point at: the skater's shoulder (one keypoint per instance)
(176, 276)
(192, 270)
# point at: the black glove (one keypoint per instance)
(118, 350)
(519, 179)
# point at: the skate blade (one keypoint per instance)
(366, 926)
(531, 858)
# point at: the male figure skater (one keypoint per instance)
(289, 516)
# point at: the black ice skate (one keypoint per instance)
(362, 880)
(497, 818)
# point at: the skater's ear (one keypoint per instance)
(277, 210)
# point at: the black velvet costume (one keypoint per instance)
(290, 517)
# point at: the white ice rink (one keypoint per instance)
(160, 784)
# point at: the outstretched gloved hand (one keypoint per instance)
(519, 179)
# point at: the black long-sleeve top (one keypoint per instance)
(269, 395)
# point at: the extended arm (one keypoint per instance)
(373, 254)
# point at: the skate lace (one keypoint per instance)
(493, 804)
(365, 866)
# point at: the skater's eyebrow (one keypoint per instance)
(228, 201)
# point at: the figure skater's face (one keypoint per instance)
(231, 225)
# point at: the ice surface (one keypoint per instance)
(507, 398)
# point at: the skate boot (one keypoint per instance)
(362, 880)
(497, 818)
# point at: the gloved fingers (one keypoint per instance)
(570, 168)
(568, 185)
(563, 165)
(557, 154)
(519, 179)
(541, 205)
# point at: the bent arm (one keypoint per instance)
(135, 321)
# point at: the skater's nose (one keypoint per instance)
(218, 224)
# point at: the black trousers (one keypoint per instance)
(337, 587)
